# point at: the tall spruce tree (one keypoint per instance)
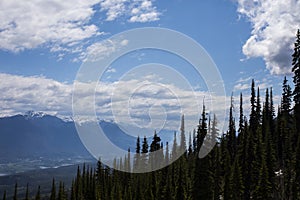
(174, 153)
(296, 79)
(53, 191)
(4, 195)
(27, 193)
(202, 186)
(231, 134)
(137, 155)
(15, 197)
(38, 194)
(296, 183)
(241, 119)
(253, 114)
(237, 181)
(182, 136)
(144, 156)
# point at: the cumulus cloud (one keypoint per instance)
(274, 25)
(62, 26)
(29, 24)
(136, 10)
(21, 94)
(144, 12)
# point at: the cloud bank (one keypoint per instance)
(274, 25)
(145, 105)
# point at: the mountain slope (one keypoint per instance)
(30, 136)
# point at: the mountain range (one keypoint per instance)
(36, 134)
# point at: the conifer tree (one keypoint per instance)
(60, 195)
(258, 108)
(263, 190)
(167, 154)
(72, 196)
(137, 154)
(253, 114)
(27, 193)
(182, 136)
(4, 195)
(144, 156)
(296, 79)
(228, 180)
(174, 148)
(214, 130)
(286, 100)
(38, 194)
(78, 185)
(250, 156)
(203, 180)
(237, 181)
(202, 130)
(231, 134)
(272, 114)
(53, 191)
(265, 116)
(15, 197)
(296, 183)
(190, 149)
(241, 119)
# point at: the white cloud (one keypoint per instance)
(20, 94)
(274, 25)
(144, 12)
(102, 49)
(131, 101)
(29, 24)
(145, 17)
(240, 86)
(114, 8)
(136, 10)
(62, 25)
(111, 70)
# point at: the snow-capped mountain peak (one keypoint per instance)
(33, 114)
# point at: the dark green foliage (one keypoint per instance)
(53, 191)
(182, 146)
(38, 194)
(236, 179)
(296, 69)
(296, 80)
(253, 114)
(61, 192)
(15, 197)
(4, 195)
(27, 193)
(296, 184)
(241, 120)
(231, 134)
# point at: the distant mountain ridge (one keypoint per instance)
(37, 134)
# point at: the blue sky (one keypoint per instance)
(43, 44)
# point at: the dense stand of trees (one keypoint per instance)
(257, 159)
